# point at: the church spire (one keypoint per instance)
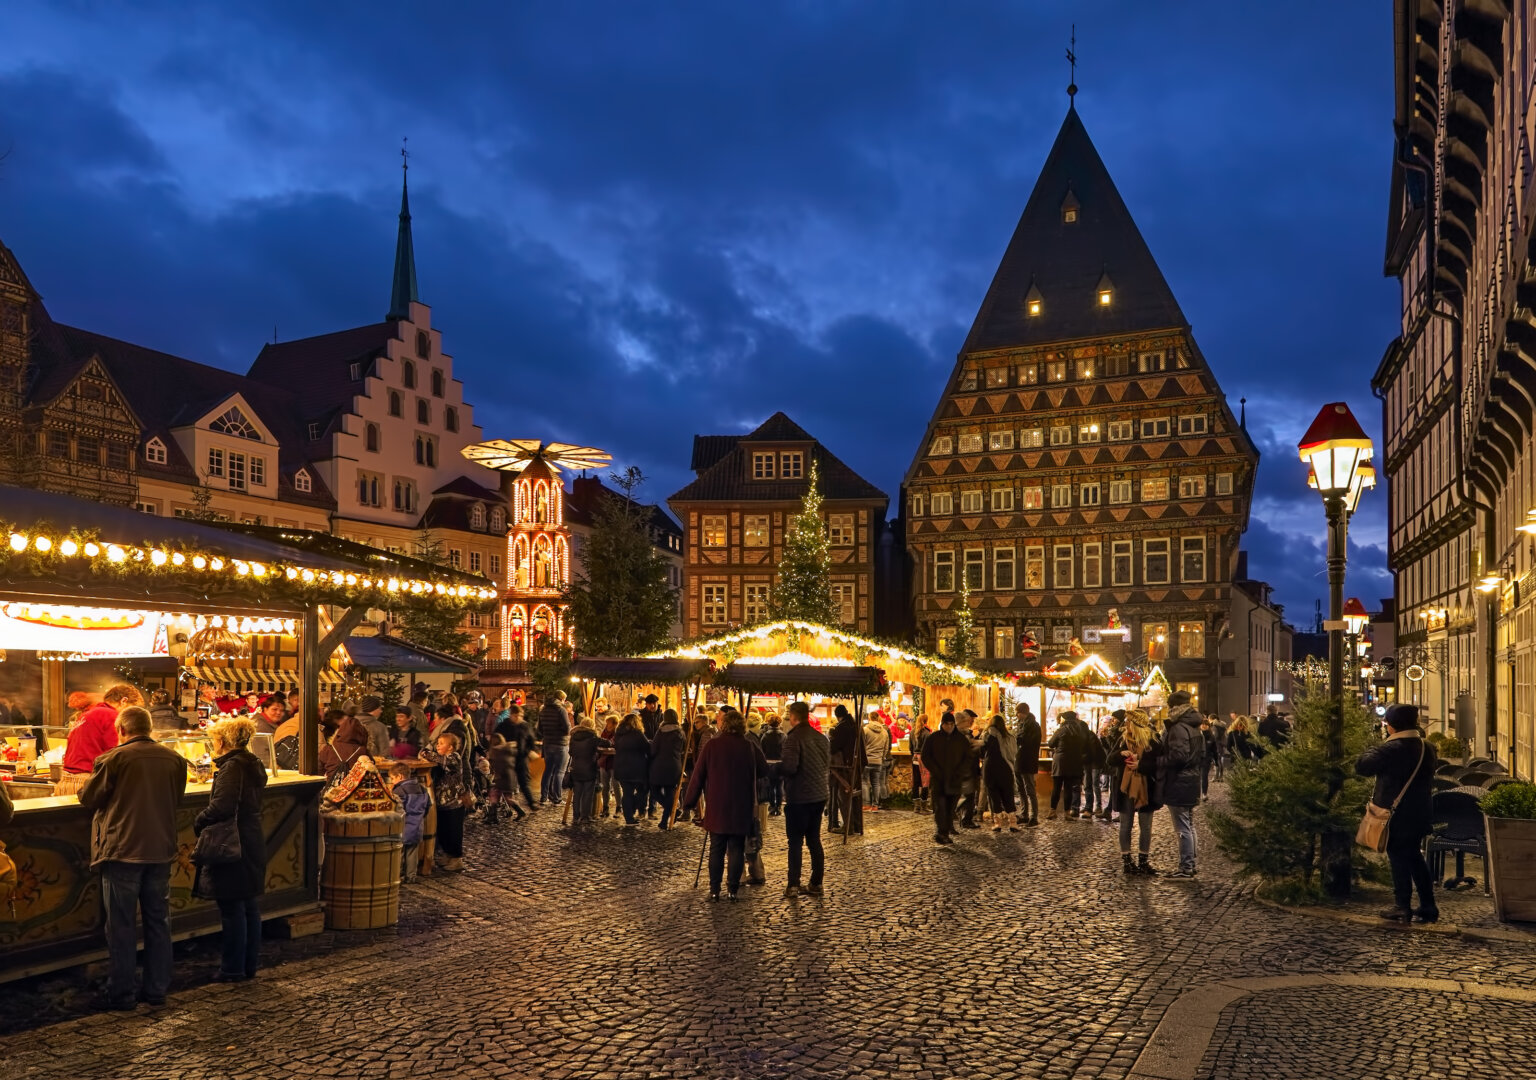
(403, 292)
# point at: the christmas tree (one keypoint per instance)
(963, 650)
(620, 601)
(805, 572)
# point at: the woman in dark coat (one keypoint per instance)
(725, 774)
(1403, 766)
(666, 768)
(632, 766)
(947, 756)
(236, 795)
(338, 753)
(999, 752)
(1069, 745)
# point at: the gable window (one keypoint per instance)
(1000, 440)
(407, 374)
(943, 503)
(755, 603)
(423, 344)
(970, 501)
(423, 411)
(1061, 496)
(975, 569)
(438, 382)
(714, 605)
(1192, 559)
(1034, 567)
(1002, 499)
(791, 464)
(477, 516)
(1085, 368)
(117, 456)
(1034, 498)
(1061, 568)
(1155, 429)
(1154, 559)
(236, 467)
(1192, 639)
(1002, 642)
(762, 465)
(1002, 568)
(970, 444)
(1119, 492)
(997, 376)
(215, 461)
(258, 472)
(1093, 573)
(1061, 435)
(371, 438)
(451, 418)
(88, 449)
(942, 444)
(1121, 430)
(1117, 365)
(714, 530)
(943, 571)
(1056, 371)
(1029, 374)
(840, 530)
(396, 408)
(843, 601)
(1154, 490)
(498, 520)
(754, 532)
(916, 505)
(1088, 495)
(233, 422)
(1088, 433)
(1193, 425)
(1149, 362)
(1224, 483)
(302, 482)
(1031, 438)
(1191, 487)
(1120, 562)
(154, 452)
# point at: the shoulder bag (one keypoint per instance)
(219, 843)
(1376, 825)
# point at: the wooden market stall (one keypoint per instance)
(80, 583)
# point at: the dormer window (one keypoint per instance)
(1069, 208)
(1105, 289)
(498, 519)
(354, 371)
(763, 465)
(477, 516)
(154, 452)
(302, 482)
(1033, 300)
(791, 465)
(1069, 215)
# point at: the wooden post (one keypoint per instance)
(55, 713)
(309, 692)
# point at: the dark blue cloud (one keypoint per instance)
(635, 223)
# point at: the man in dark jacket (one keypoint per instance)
(844, 743)
(1027, 765)
(772, 742)
(650, 723)
(1113, 742)
(1403, 766)
(948, 755)
(555, 731)
(972, 785)
(134, 790)
(804, 760)
(1274, 727)
(1180, 761)
(667, 765)
(1069, 752)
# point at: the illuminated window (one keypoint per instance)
(754, 531)
(1034, 567)
(1191, 487)
(762, 465)
(942, 444)
(1056, 371)
(1034, 498)
(1154, 490)
(840, 530)
(1149, 362)
(154, 452)
(1104, 297)
(1192, 639)
(756, 603)
(1029, 374)
(1088, 433)
(714, 605)
(1154, 560)
(1000, 440)
(1154, 640)
(1085, 368)
(943, 571)
(1002, 642)
(997, 376)
(714, 531)
(970, 444)
(1030, 438)
(1093, 566)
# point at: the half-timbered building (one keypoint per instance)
(1082, 476)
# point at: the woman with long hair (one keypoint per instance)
(1131, 744)
(631, 766)
(999, 754)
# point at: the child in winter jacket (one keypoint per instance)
(503, 761)
(414, 800)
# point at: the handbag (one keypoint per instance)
(219, 843)
(1376, 825)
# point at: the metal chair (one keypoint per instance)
(1474, 777)
(1479, 762)
(1458, 828)
(1497, 781)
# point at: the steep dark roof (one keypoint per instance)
(463, 485)
(708, 449)
(588, 493)
(726, 478)
(315, 369)
(162, 389)
(1066, 261)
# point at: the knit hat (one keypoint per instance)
(1178, 697)
(370, 703)
(1402, 716)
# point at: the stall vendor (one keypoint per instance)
(272, 715)
(93, 736)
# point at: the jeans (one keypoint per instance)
(662, 795)
(410, 859)
(967, 807)
(1409, 871)
(917, 780)
(775, 794)
(943, 814)
(634, 800)
(555, 758)
(802, 823)
(1091, 789)
(1066, 790)
(241, 939)
(450, 831)
(609, 785)
(583, 800)
(1221, 762)
(522, 785)
(144, 888)
(874, 784)
(1029, 798)
(1142, 818)
(719, 845)
(1184, 825)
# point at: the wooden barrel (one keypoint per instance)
(360, 879)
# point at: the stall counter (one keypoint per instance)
(57, 921)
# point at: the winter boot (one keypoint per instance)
(1127, 865)
(1144, 866)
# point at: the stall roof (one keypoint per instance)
(829, 679)
(632, 671)
(391, 654)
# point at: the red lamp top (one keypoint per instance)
(1354, 608)
(1334, 425)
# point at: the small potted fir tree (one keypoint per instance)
(1509, 814)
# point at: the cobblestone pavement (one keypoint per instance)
(590, 956)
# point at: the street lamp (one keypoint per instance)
(1355, 619)
(1338, 451)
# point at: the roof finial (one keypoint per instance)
(1072, 59)
(1242, 416)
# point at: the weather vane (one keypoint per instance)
(405, 154)
(1072, 59)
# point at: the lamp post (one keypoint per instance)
(1355, 618)
(1338, 451)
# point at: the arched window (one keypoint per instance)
(543, 564)
(498, 520)
(408, 374)
(522, 501)
(234, 422)
(302, 482)
(371, 438)
(438, 382)
(423, 411)
(541, 637)
(562, 561)
(520, 563)
(396, 408)
(423, 346)
(451, 418)
(477, 516)
(517, 632)
(540, 502)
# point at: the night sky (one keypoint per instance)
(638, 222)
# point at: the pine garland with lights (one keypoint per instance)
(804, 590)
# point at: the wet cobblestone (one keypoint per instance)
(582, 956)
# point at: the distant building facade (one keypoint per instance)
(587, 494)
(1252, 652)
(735, 515)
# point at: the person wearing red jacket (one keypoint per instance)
(94, 735)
